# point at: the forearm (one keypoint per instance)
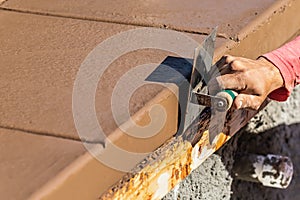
(287, 60)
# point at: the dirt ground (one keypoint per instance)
(274, 130)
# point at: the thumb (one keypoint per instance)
(248, 101)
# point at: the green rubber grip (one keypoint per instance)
(231, 93)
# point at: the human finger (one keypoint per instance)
(231, 81)
(248, 101)
(226, 70)
(225, 60)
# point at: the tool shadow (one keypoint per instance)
(176, 70)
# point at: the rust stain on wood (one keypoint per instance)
(158, 173)
(156, 179)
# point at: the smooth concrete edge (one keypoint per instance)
(78, 174)
(73, 168)
(266, 22)
(254, 35)
(170, 92)
(264, 18)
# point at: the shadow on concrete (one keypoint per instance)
(178, 71)
(172, 70)
(280, 140)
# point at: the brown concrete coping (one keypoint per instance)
(86, 176)
(40, 57)
(29, 161)
(78, 173)
(270, 21)
(192, 16)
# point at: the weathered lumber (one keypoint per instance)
(178, 157)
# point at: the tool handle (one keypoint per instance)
(229, 95)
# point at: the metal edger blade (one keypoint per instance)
(198, 88)
(202, 63)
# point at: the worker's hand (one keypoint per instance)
(254, 80)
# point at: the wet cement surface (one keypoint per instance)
(195, 16)
(40, 58)
(29, 161)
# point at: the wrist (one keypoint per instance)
(273, 73)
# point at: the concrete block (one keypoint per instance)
(40, 57)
